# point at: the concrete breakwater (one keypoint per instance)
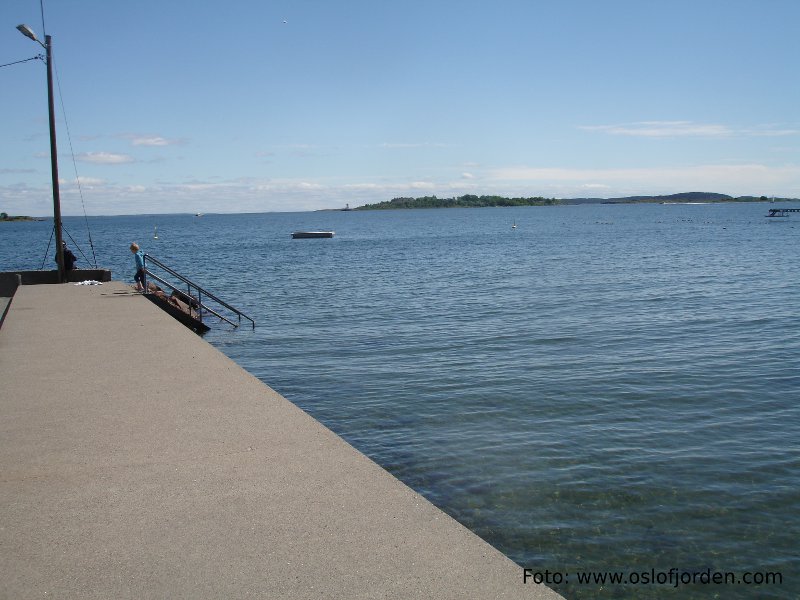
(138, 461)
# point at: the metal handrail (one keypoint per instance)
(203, 306)
(200, 292)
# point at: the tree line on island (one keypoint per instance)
(473, 201)
(467, 201)
(6, 217)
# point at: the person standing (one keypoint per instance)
(69, 258)
(139, 276)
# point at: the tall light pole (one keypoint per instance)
(48, 43)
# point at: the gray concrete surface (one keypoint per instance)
(9, 280)
(137, 461)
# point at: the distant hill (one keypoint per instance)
(682, 197)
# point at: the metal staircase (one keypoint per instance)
(189, 306)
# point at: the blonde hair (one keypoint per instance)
(135, 247)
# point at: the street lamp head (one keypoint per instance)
(27, 32)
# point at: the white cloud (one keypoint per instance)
(105, 158)
(663, 129)
(142, 139)
(264, 194)
(770, 131)
(16, 171)
(152, 141)
(423, 185)
(666, 129)
(393, 145)
(198, 187)
(370, 187)
(89, 181)
(734, 179)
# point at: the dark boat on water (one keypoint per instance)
(311, 234)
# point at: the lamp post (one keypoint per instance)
(48, 43)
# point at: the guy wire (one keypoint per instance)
(75, 167)
(41, 7)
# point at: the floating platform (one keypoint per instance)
(296, 235)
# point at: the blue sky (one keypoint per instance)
(291, 105)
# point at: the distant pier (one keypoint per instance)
(781, 212)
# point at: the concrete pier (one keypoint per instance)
(137, 461)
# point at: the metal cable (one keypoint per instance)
(50, 241)
(75, 167)
(37, 57)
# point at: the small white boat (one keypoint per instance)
(311, 234)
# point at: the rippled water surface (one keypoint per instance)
(602, 388)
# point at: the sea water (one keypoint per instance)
(609, 388)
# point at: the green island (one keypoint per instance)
(7, 217)
(472, 201)
(468, 201)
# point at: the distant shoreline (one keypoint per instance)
(471, 201)
(5, 217)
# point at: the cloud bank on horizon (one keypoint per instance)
(313, 106)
